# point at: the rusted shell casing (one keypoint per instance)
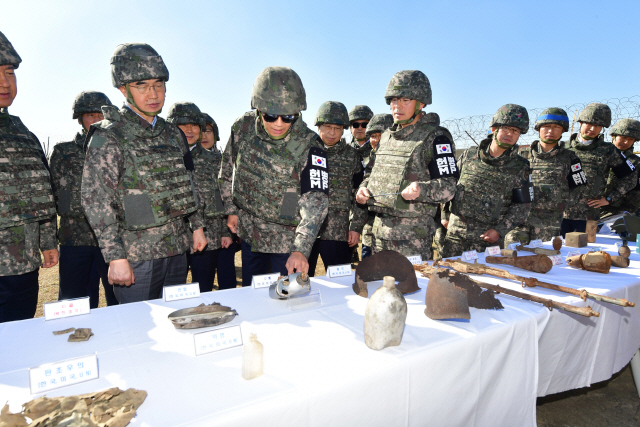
(620, 261)
(509, 253)
(624, 251)
(592, 229)
(557, 243)
(386, 263)
(536, 263)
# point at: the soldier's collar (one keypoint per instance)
(4, 117)
(144, 123)
(79, 139)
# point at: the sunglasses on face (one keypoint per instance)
(270, 118)
(357, 125)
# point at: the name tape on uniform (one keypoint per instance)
(176, 292)
(217, 339)
(66, 308)
(264, 280)
(68, 372)
(469, 256)
(492, 251)
(415, 259)
(556, 259)
(535, 243)
(512, 246)
(341, 270)
(573, 253)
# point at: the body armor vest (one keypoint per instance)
(69, 189)
(394, 169)
(266, 182)
(341, 159)
(484, 190)
(595, 166)
(155, 187)
(207, 173)
(25, 186)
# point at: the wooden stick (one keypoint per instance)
(471, 137)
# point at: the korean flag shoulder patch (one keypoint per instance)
(443, 162)
(315, 175)
(576, 177)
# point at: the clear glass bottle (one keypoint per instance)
(252, 362)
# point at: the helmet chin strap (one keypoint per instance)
(587, 137)
(132, 102)
(549, 141)
(415, 113)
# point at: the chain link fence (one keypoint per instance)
(478, 126)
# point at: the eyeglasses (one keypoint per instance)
(144, 88)
(270, 118)
(357, 125)
(208, 131)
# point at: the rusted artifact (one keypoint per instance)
(619, 261)
(599, 262)
(64, 331)
(536, 263)
(465, 267)
(509, 252)
(80, 334)
(624, 251)
(450, 294)
(591, 230)
(296, 284)
(202, 316)
(386, 263)
(550, 304)
(538, 251)
(576, 239)
(557, 243)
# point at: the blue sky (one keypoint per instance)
(477, 55)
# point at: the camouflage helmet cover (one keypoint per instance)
(278, 90)
(208, 121)
(626, 127)
(184, 113)
(553, 116)
(360, 112)
(511, 115)
(133, 62)
(89, 102)
(412, 84)
(334, 113)
(379, 123)
(8, 55)
(432, 118)
(596, 114)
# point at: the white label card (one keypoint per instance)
(61, 374)
(492, 251)
(535, 243)
(415, 259)
(176, 292)
(217, 339)
(573, 253)
(264, 280)
(556, 259)
(595, 248)
(66, 308)
(469, 256)
(512, 246)
(341, 270)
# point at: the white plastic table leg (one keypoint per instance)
(635, 370)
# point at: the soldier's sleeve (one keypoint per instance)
(518, 211)
(442, 167)
(313, 203)
(626, 174)
(196, 219)
(100, 177)
(48, 234)
(225, 178)
(577, 181)
(55, 165)
(359, 213)
(224, 230)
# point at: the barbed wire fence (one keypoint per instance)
(478, 126)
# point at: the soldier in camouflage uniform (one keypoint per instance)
(359, 117)
(378, 124)
(625, 134)
(274, 178)
(494, 193)
(342, 227)
(413, 170)
(187, 116)
(138, 184)
(81, 262)
(558, 179)
(27, 207)
(598, 159)
(210, 136)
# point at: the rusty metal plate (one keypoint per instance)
(386, 263)
(202, 316)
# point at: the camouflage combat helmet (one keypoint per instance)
(184, 113)
(208, 121)
(412, 84)
(626, 127)
(360, 112)
(278, 90)
(432, 118)
(596, 114)
(511, 115)
(89, 102)
(133, 62)
(333, 113)
(379, 123)
(8, 55)
(553, 116)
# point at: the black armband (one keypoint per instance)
(315, 176)
(576, 177)
(187, 159)
(523, 194)
(357, 178)
(443, 162)
(623, 169)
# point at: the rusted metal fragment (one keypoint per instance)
(599, 262)
(624, 251)
(202, 316)
(64, 331)
(591, 230)
(536, 263)
(509, 252)
(386, 263)
(620, 261)
(557, 243)
(538, 251)
(80, 334)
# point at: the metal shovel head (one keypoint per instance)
(444, 299)
(202, 316)
(386, 263)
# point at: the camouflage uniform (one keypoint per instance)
(492, 192)
(208, 120)
(278, 194)
(558, 180)
(27, 210)
(420, 153)
(361, 112)
(630, 202)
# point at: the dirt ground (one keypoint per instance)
(610, 403)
